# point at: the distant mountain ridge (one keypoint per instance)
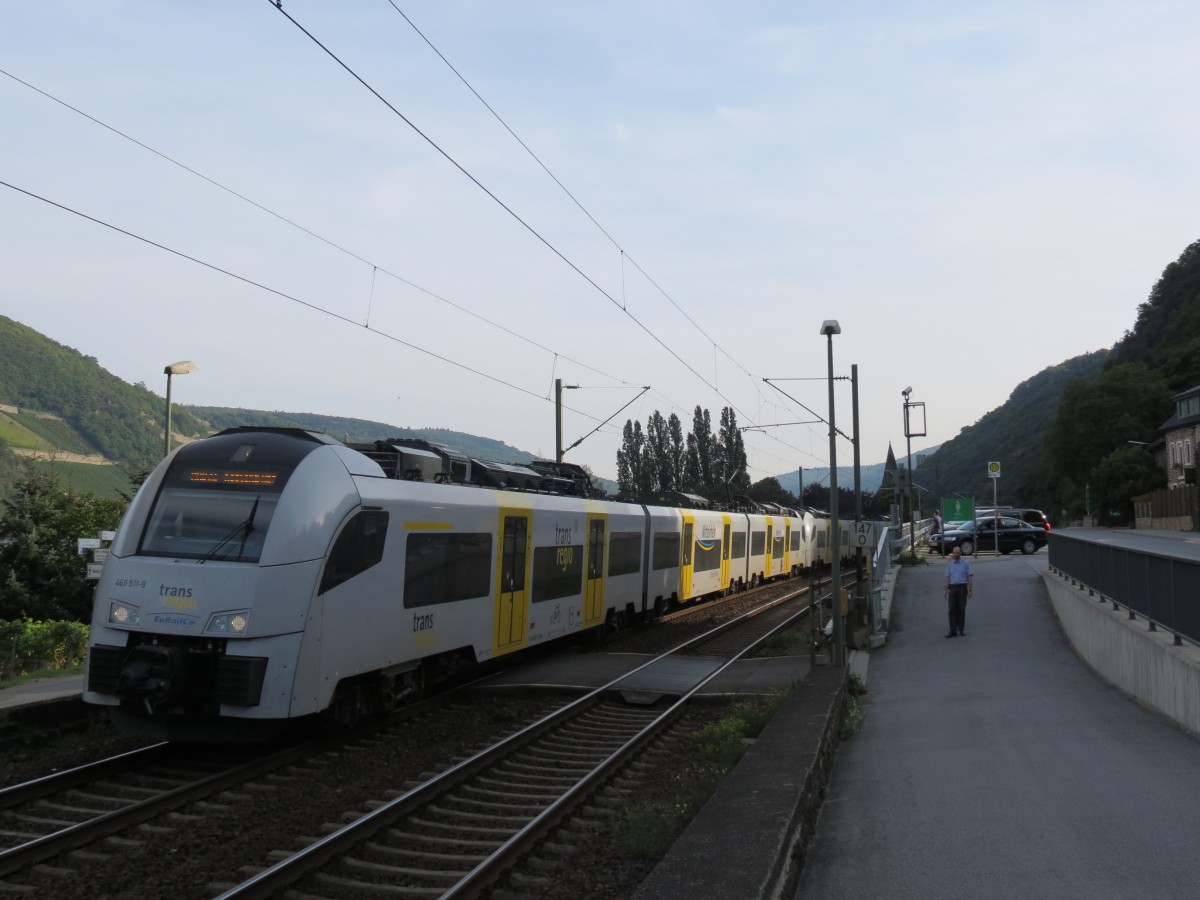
(360, 430)
(1013, 435)
(871, 476)
(60, 408)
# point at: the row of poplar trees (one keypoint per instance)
(660, 458)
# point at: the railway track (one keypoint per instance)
(110, 828)
(457, 833)
(42, 819)
(164, 787)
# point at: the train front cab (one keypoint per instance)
(201, 609)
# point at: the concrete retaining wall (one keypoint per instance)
(1145, 664)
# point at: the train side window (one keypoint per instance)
(738, 548)
(795, 540)
(596, 549)
(624, 553)
(708, 555)
(666, 551)
(443, 568)
(357, 548)
(557, 572)
(758, 543)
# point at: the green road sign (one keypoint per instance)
(958, 509)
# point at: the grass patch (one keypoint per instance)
(101, 481)
(17, 435)
(852, 721)
(35, 674)
(793, 643)
(57, 433)
(647, 829)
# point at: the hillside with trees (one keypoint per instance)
(1068, 438)
(1013, 435)
(61, 413)
(360, 430)
(107, 416)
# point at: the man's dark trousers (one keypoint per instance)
(958, 608)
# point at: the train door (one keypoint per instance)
(685, 570)
(769, 556)
(787, 548)
(510, 627)
(726, 537)
(593, 589)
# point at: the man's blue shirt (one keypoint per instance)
(959, 570)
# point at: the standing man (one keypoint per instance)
(960, 584)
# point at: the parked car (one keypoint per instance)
(934, 538)
(1025, 514)
(981, 534)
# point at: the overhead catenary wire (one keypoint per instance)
(375, 267)
(565, 190)
(508, 209)
(282, 294)
(717, 348)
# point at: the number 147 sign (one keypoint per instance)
(993, 470)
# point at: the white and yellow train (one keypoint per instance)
(265, 575)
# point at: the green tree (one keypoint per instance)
(730, 464)
(700, 453)
(1122, 475)
(1127, 402)
(769, 489)
(41, 571)
(632, 478)
(676, 451)
(658, 454)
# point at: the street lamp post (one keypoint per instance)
(829, 328)
(912, 539)
(183, 367)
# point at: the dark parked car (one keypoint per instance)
(934, 538)
(1032, 516)
(982, 533)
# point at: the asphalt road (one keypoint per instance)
(1178, 544)
(997, 765)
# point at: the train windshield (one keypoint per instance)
(219, 496)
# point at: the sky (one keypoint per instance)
(423, 213)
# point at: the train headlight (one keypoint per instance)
(235, 622)
(124, 615)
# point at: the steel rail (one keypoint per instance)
(16, 794)
(289, 870)
(40, 849)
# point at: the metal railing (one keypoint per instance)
(1163, 590)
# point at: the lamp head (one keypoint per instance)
(830, 327)
(183, 367)
(906, 391)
